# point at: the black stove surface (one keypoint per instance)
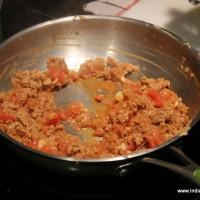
(19, 14)
(19, 183)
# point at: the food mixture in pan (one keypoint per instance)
(128, 115)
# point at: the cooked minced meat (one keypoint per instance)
(128, 115)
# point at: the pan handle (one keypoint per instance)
(190, 171)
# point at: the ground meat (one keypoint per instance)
(126, 116)
(92, 68)
(109, 69)
(157, 84)
(58, 74)
(29, 79)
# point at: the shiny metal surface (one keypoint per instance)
(157, 52)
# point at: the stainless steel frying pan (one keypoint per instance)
(157, 52)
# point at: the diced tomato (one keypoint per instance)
(99, 98)
(53, 72)
(49, 149)
(62, 77)
(71, 111)
(7, 117)
(59, 72)
(62, 146)
(153, 140)
(55, 120)
(156, 97)
(99, 132)
(13, 98)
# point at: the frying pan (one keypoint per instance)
(157, 52)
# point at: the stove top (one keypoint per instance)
(19, 183)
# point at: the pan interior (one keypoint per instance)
(155, 51)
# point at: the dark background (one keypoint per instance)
(19, 14)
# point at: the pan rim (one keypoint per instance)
(103, 17)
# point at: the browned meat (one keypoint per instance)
(127, 116)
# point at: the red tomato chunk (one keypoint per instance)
(7, 117)
(155, 97)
